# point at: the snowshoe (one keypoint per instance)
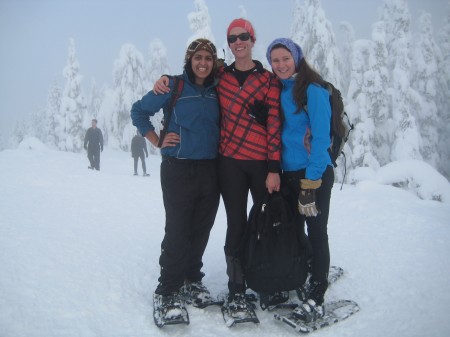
(275, 301)
(198, 295)
(236, 309)
(169, 310)
(333, 313)
(309, 311)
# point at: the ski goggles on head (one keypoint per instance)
(242, 37)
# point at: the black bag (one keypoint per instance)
(274, 249)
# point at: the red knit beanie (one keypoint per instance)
(243, 24)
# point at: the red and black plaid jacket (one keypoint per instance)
(241, 137)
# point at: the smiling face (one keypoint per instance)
(283, 63)
(202, 64)
(241, 49)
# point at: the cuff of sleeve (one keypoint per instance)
(274, 166)
(307, 184)
(143, 130)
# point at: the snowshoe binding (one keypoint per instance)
(169, 310)
(237, 309)
(198, 295)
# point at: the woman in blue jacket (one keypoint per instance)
(308, 175)
(189, 179)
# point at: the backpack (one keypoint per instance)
(178, 84)
(339, 129)
(274, 250)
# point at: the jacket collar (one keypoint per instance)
(259, 67)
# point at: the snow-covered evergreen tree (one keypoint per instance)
(200, 22)
(347, 51)
(73, 105)
(378, 95)
(443, 96)
(407, 142)
(157, 63)
(19, 133)
(94, 103)
(360, 109)
(52, 110)
(314, 33)
(424, 80)
(129, 79)
(37, 126)
(156, 66)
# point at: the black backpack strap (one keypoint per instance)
(176, 92)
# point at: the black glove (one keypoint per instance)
(258, 111)
(307, 197)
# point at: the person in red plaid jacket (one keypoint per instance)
(250, 144)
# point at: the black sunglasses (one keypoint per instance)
(242, 37)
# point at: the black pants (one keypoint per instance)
(136, 159)
(191, 199)
(237, 178)
(93, 154)
(317, 226)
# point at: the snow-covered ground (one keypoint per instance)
(79, 254)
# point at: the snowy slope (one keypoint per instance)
(79, 254)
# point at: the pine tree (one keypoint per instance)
(379, 97)
(2, 142)
(443, 97)
(347, 51)
(200, 22)
(406, 140)
(73, 106)
(314, 33)
(51, 114)
(129, 79)
(94, 103)
(19, 133)
(37, 126)
(156, 66)
(424, 80)
(360, 109)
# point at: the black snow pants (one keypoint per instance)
(237, 178)
(316, 226)
(191, 198)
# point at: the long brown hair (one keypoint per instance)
(305, 76)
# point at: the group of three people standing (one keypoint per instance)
(236, 129)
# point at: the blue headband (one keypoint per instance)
(290, 45)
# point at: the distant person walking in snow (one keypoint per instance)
(139, 151)
(93, 143)
(189, 180)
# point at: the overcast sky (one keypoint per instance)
(34, 36)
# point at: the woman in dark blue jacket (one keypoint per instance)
(188, 176)
(308, 175)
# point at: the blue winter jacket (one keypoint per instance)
(300, 129)
(195, 119)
